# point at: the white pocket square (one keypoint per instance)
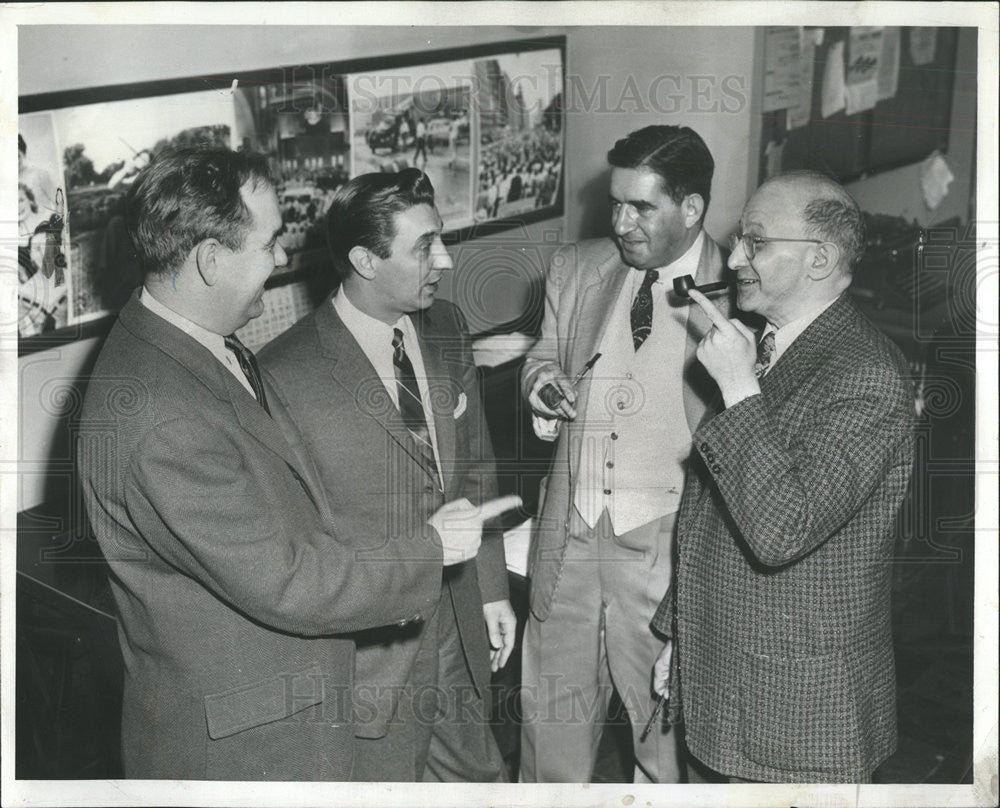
(463, 402)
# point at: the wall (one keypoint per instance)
(898, 193)
(619, 79)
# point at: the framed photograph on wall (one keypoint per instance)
(484, 122)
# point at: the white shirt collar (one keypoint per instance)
(215, 343)
(686, 264)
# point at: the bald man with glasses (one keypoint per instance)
(780, 606)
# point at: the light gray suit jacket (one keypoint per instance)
(582, 285)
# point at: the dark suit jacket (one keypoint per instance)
(581, 288)
(226, 577)
(378, 489)
(785, 538)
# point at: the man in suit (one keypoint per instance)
(785, 535)
(601, 556)
(228, 578)
(383, 394)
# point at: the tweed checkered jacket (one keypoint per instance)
(785, 542)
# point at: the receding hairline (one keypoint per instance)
(810, 187)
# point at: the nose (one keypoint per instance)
(280, 256)
(623, 220)
(440, 258)
(738, 256)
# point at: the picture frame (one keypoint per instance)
(486, 123)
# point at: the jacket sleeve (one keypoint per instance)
(545, 351)
(218, 511)
(481, 479)
(788, 494)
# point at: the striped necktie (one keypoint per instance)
(642, 309)
(248, 363)
(411, 405)
(765, 350)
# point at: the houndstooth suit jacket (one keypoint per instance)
(785, 537)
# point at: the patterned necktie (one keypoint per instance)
(411, 406)
(642, 309)
(765, 350)
(248, 363)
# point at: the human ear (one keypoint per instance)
(207, 254)
(825, 259)
(692, 207)
(362, 260)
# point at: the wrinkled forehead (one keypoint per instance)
(776, 204)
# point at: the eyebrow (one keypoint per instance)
(635, 203)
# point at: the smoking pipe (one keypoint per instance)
(685, 283)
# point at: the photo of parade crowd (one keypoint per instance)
(520, 113)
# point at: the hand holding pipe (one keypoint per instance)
(685, 283)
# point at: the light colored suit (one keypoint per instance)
(380, 491)
(785, 540)
(582, 288)
(228, 580)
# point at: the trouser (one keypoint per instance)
(597, 637)
(440, 731)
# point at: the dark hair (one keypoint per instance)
(676, 153)
(30, 195)
(362, 211)
(833, 215)
(187, 196)
(21, 145)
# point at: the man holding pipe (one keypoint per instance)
(601, 558)
(780, 610)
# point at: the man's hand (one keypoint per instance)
(729, 352)
(551, 374)
(661, 670)
(501, 625)
(459, 524)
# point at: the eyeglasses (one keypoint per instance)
(751, 242)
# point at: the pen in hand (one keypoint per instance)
(552, 395)
(652, 719)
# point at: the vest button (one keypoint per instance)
(614, 436)
(621, 405)
(607, 492)
(610, 464)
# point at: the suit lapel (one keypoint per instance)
(808, 349)
(434, 352)
(351, 369)
(597, 300)
(203, 365)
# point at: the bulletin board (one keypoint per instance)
(855, 101)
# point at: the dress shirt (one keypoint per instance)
(375, 339)
(215, 343)
(787, 334)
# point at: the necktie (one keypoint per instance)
(765, 349)
(411, 406)
(642, 309)
(248, 363)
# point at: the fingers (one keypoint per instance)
(495, 507)
(718, 318)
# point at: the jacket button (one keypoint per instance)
(704, 446)
(610, 464)
(621, 405)
(607, 492)
(710, 457)
(614, 436)
(715, 468)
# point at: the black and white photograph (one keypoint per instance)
(418, 117)
(499, 404)
(519, 98)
